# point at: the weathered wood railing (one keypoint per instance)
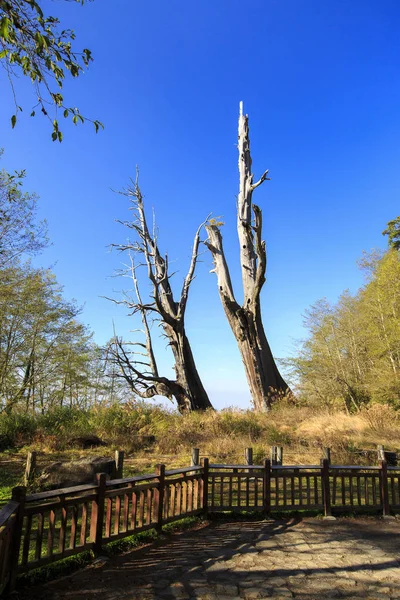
(41, 528)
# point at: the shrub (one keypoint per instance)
(16, 429)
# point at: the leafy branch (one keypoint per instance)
(31, 42)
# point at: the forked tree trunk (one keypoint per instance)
(265, 382)
(143, 377)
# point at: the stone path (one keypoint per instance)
(306, 559)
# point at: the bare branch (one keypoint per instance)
(192, 267)
(261, 254)
(261, 180)
(143, 309)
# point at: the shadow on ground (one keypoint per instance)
(306, 559)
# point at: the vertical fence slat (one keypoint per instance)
(204, 487)
(27, 540)
(39, 536)
(84, 524)
(126, 513)
(74, 525)
(97, 515)
(108, 516)
(63, 530)
(159, 497)
(326, 492)
(18, 495)
(384, 488)
(267, 485)
(133, 511)
(117, 514)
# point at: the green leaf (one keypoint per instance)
(3, 53)
(33, 113)
(97, 125)
(4, 31)
(59, 135)
(13, 121)
(54, 136)
(66, 113)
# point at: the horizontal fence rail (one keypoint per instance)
(41, 528)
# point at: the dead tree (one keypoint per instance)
(142, 375)
(265, 382)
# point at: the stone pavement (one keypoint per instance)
(306, 559)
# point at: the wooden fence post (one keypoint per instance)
(195, 457)
(381, 452)
(326, 491)
(160, 472)
(327, 454)
(248, 455)
(267, 486)
(384, 488)
(276, 455)
(18, 495)
(204, 487)
(30, 468)
(97, 518)
(119, 464)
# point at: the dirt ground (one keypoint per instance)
(306, 559)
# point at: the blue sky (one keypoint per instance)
(320, 82)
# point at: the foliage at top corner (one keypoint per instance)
(32, 42)
(393, 233)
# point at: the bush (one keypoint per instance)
(16, 429)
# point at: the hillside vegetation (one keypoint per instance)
(150, 434)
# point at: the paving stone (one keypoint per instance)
(205, 593)
(252, 593)
(228, 590)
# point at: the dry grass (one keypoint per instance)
(150, 435)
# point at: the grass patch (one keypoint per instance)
(61, 568)
(9, 478)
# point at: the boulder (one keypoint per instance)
(78, 472)
(87, 441)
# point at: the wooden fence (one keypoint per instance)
(45, 527)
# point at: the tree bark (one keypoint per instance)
(194, 396)
(187, 387)
(265, 382)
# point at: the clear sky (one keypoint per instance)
(320, 82)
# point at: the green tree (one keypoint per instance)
(352, 353)
(380, 313)
(393, 233)
(32, 43)
(20, 232)
(47, 357)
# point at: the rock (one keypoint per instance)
(87, 441)
(68, 474)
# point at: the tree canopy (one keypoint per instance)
(20, 232)
(393, 233)
(352, 354)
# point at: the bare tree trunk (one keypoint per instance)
(195, 396)
(265, 382)
(142, 375)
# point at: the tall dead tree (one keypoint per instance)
(143, 376)
(265, 382)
